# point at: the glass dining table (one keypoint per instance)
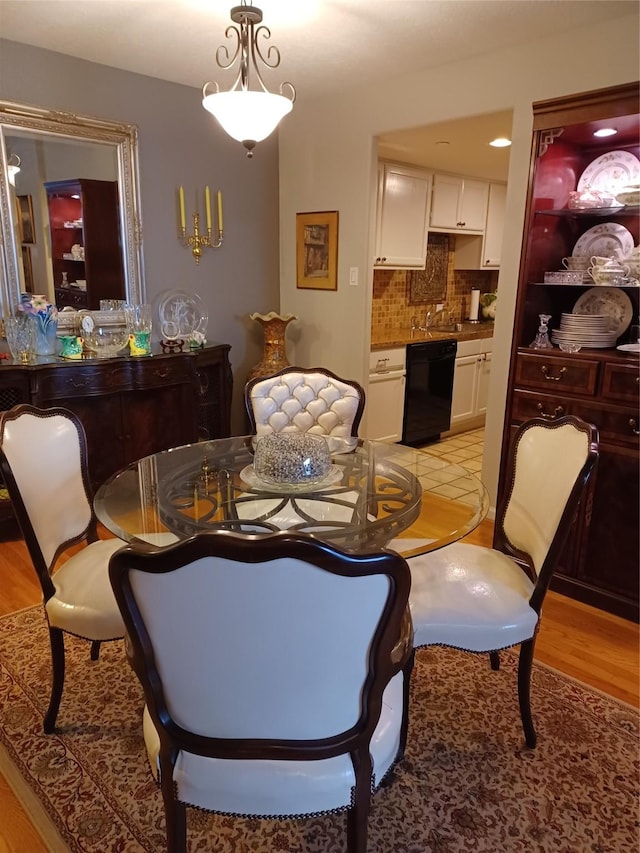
(375, 495)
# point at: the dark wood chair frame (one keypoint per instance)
(579, 493)
(307, 370)
(355, 741)
(43, 571)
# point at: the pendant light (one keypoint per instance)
(248, 112)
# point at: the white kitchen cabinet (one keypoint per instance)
(458, 204)
(404, 196)
(384, 409)
(484, 252)
(471, 384)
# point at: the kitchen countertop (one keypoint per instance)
(402, 336)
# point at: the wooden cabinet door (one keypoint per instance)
(156, 419)
(445, 202)
(465, 389)
(403, 207)
(494, 229)
(484, 375)
(473, 205)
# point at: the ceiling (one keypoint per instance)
(325, 46)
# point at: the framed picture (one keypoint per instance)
(27, 269)
(25, 219)
(317, 250)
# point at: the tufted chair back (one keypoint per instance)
(298, 399)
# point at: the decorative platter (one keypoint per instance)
(607, 300)
(605, 240)
(629, 348)
(249, 477)
(179, 314)
(611, 172)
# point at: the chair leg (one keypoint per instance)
(56, 639)
(358, 814)
(524, 691)
(95, 649)
(494, 657)
(176, 820)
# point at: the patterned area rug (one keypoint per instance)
(467, 783)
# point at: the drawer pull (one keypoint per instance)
(547, 375)
(634, 426)
(550, 417)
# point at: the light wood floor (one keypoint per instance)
(587, 644)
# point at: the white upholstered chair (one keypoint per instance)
(268, 671)
(43, 458)
(483, 600)
(299, 399)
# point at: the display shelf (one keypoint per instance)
(586, 213)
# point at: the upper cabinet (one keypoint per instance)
(86, 253)
(483, 252)
(404, 196)
(458, 204)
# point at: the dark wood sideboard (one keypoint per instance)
(130, 407)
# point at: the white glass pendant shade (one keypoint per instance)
(248, 116)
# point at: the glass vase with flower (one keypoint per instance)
(45, 315)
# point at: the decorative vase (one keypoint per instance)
(45, 315)
(274, 357)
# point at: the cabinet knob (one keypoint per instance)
(548, 416)
(461, 224)
(545, 370)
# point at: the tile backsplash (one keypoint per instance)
(391, 309)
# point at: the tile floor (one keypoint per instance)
(464, 449)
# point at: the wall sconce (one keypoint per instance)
(197, 241)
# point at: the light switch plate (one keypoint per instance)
(353, 276)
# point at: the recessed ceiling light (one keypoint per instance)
(606, 131)
(500, 142)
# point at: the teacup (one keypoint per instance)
(575, 262)
(140, 343)
(598, 261)
(606, 275)
(71, 346)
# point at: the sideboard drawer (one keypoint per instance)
(556, 374)
(616, 424)
(621, 382)
(157, 371)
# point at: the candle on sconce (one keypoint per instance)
(183, 221)
(220, 226)
(207, 204)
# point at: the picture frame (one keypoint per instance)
(26, 225)
(27, 269)
(317, 250)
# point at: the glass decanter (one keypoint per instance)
(541, 340)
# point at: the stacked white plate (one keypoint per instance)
(586, 330)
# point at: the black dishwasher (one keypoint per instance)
(429, 387)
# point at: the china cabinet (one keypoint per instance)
(86, 254)
(458, 204)
(130, 407)
(599, 383)
(404, 195)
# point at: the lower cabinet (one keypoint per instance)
(599, 565)
(131, 407)
(384, 410)
(471, 384)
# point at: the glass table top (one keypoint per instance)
(375, 495)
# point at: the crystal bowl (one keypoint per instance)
(106, 341)
(292, 458)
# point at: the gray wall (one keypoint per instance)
(179, 144)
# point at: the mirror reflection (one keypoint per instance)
(69, 202)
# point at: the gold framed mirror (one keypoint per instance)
(50, 147)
